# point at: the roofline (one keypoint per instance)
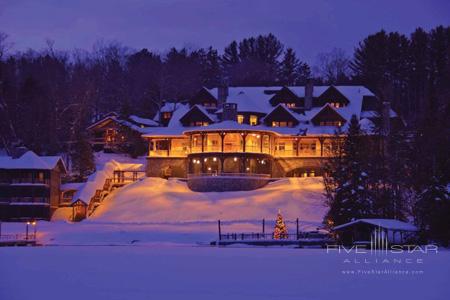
(365, 222)
(99, 121)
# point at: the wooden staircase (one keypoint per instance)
(99, 196)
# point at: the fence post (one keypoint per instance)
(220, 230)
(297, 228)
(263, 226)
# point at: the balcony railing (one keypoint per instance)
(224, 174)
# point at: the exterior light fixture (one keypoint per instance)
(248, 169)
(235, 159)
(214, 159)
(205, 159)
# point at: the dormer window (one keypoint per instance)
(291, 105)
(166, 115)
(199, 124)
(336, 104)
(282, 124)
(331, 123)
(209, 104)
(253, 120)
(240, 119)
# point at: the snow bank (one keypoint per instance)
(96, 180)
(155, 200)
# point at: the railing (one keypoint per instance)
(223, 174)
(165, 153)
(17, 237)
(270, 236)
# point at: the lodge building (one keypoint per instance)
(255, 132)
(30, 186)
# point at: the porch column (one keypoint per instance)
(149, 146)
(321, 140)
(298, 144)
(203, 140)
(168, 147)
(244, 137)
(222, 137)
(261, 143)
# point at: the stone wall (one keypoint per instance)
(281, 166)
(156, 166)
(223, 183)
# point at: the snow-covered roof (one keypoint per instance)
(249, 99)
(390, 224)
(143, 121)
(257, 100)
(31, 161)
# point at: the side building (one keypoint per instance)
(256, 132)
(30, 186)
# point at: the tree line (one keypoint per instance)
(49, 97)
(402, 173)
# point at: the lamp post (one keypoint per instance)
(26, 231)
(34, 223)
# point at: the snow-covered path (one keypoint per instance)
(185, 272)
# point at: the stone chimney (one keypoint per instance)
(309, 88)
(222, 95)
(386, 117)
(229, 112)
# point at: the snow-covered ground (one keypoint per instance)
(156, 200)
(186, 272)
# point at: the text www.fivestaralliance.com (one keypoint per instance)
(382, 272)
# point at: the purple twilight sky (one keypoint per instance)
(309, 27)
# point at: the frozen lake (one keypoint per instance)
(162, 271)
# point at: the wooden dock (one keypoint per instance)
(12, 240)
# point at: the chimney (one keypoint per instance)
(222, 95)
(229, 112)
(386, 118)
(309, 88)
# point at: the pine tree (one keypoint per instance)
(82, 158)
(346, 178)
(292, 71)
(280, 231)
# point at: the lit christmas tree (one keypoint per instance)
(280, 231)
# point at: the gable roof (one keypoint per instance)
(280, 108)
(193, 110)
(327, 108)
(202, 95)
(284, 90)
(31, 161)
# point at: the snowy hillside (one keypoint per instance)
(155, 200)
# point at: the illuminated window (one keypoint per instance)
(167, 115)
(330, 123)
(282, 124)
(199, 123)
(291, 105)
(253, 120)
(240, 119)
(209, 104)
(336, 104)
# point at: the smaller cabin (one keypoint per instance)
(79, 210)
(114, 134)
(375, 232)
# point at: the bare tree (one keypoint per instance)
(334, 66)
